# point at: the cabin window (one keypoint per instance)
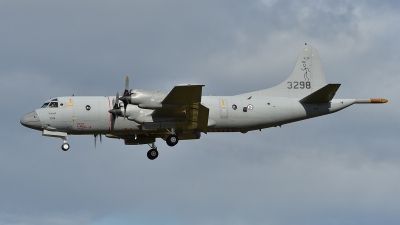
(234, 107)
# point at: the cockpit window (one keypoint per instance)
(50, 105)
(53, 105)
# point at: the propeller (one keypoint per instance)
(126, 92)
(126, 96)
(114, 111)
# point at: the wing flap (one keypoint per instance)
(197, 116)
(182, 110)
(322, 95)
(189, 117)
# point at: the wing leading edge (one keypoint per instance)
(183, 95)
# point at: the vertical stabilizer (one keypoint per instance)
(307, 77)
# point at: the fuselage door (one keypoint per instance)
(223, 105)
(66, 108)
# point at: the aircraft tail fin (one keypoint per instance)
(323, 95)
(306, 78)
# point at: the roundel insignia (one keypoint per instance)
(250, 107)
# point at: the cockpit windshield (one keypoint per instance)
(45, 104)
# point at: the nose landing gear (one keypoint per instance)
(65, 145)
(62, 135)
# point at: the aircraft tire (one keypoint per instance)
(172, 140)
(65, 147)
(152, 154)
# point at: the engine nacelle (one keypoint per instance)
(132, 112)
(147, 99)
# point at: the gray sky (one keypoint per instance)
(342, 168)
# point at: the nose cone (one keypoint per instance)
(31, 120)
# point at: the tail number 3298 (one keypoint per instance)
(299, 85)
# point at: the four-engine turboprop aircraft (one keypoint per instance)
(141, 116)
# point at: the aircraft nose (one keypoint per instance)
(31, 120)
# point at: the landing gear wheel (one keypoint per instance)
(172, 140)
(65, 147)
(152, 154)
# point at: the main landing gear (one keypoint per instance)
(152, 154)
(172, 140)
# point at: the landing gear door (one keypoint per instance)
(223, 106)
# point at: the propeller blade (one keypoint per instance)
(115, 111)
(100, 139)
(112, 121)
(125, 105)
(115, 101)
(126, 92)
(117, 98)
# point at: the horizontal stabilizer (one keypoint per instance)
(183, 95)
(322, 95)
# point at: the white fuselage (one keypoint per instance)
(89, 115)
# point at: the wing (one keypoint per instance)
(183, 95)
(181, 110)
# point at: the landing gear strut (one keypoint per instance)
(152, 154)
